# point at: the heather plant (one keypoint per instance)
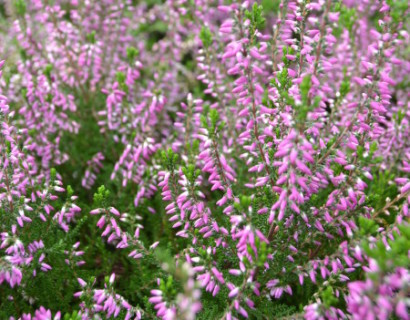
(201, 159)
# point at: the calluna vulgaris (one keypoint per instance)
(204, 159)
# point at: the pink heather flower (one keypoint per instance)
(296, 129)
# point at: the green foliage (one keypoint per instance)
(70, 191)
(396, 256)
(132, 54)
(213, 307)
(91, 37)
(282, 84)
(193, 150)
(305, 86)
(2, 10)
(155, 31)
(270, 6)
(256, 18)
(168, 264)
(399, 116)
(101, 197)
(47, 71)
(319, 199)
(286, 51)
(381, 189)
(259, 257)
(398, 9)
(306, 106)
(347, 18)
(20, 7)
(53, 174)
(121, 77)
(73, 316)
(58, 246)
(266, 309)
(367, 226)
(344, 86)
(191, 173)
(328, 297)
(210, 120)
(169, 159)
(206, 37)
(367, 157)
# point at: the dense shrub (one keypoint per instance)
(204, 159)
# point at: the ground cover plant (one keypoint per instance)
(204, 159)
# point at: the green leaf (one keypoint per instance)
(206, 37)
(20, 6)
(256, 18)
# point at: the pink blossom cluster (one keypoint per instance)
(390, 293)
(26, 196)
(270, 146)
